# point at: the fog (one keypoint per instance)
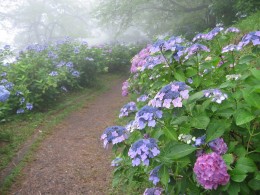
(24, 22)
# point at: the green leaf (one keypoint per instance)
(246, 165)
(196, 96)
(254, 184)
(246, 59)
(216, 129)
(238, 175)
(229, 159)
(242, 116)
(179, 76)
(164, 175)
(191, 72)
(170, 133)
(233, 189)
(178, 151)
(200, 122)
(251, 98)
(179, 120)
(256, 73)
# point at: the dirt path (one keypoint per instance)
(72, 160)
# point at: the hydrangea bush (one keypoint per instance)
(201, 107)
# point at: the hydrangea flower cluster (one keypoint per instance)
(131, 126)
(29, 106)
(20, 111)
(146, 116)
(152, 61)
(188, 139)
(4, 93)
(142, 98)
(139, 59)
(218, 145)
(127, 109)
(53, 73)
(171, 94)
(143, 150)
(231, 47)
(153, 176)
(208, 36)
(114, 135)
(153, 191)
(253, 37)
(125, 87)
(195, 48)
(215, 94)
(211, 171)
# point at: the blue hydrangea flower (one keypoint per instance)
(3, 81)
(18, 93)
(9, 86)
(143, 150)
(29, 106)
(4, 93)
(76, 50)
(142, 98)
(127, 109)
(3, 74)
(131, 126)
(114, 135)
(54, 73)
(195, 48)
(146, 116)
(60, 64)
(171, 94)
(214, 32)
(20, 111)
(231, 47)
(22, 100)
(200, 141)
(52, 55)
(153, 176)
(75, 73)
(69, 64)
(157, 46)
(152, 61)
(153, 191)
(253, 37)
(7, 47)
(216, 95)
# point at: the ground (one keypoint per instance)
(72, 160)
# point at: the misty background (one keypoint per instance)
(24, 22)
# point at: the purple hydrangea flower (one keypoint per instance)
(69, 64)
(218, 145)
(54, 73)
(143, 150)
(195, 48)
(214, 32)
(153, 176)
(157, 46)
(131, 126)
(20, 111)
(114, 135)
(253, 37)
(29, 106)
(146, 116)
(152, 61)
(232, 29)
(142, 98)
(153, 191)
(139, 59)
(60, 64)
(231, 47)
(125, 87)
(3, 81)
(4, 93)
(52, 55)
(171, 94)
(127, 109)
(215, 94)
(3, 74)
(199, 36)
(211, 171)
(76, 50)
(116, 162)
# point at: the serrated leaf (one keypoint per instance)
(246, 165)
(254, 184)
(238, 175)
(246, 59)
(200, 122)
(229, 159)
(256, 73)
(251, 98)
(242, 117)
(179, 120)
(196, 96)
(233, 189)
(179, 76)
(178, 151)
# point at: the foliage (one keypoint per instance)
(208, 132)
(40, 74)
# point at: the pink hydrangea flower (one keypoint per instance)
(211, 171)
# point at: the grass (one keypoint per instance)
(15, 133)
